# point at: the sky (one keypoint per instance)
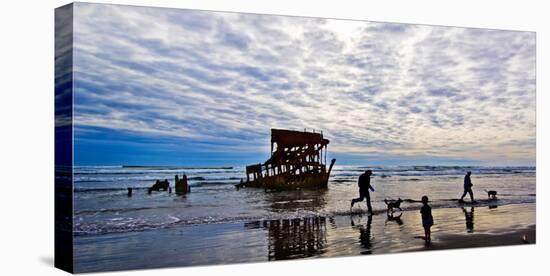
(155, 86)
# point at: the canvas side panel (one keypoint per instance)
(64, 138)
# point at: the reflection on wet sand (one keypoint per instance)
(364, 234)
(396, 218)
(311, 200)
(297, 237)
(307, 237)
(294, 238)
(469, 217)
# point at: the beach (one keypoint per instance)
(315, 237)
(219, 224)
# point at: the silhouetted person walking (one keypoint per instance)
(467, 188)
(364, 187)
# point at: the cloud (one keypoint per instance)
(372, 88)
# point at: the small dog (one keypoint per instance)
(393, 204)
(492, 195)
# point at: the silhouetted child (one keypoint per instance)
(427, 219)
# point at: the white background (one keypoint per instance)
(26, 136)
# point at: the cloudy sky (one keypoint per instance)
(170, 86)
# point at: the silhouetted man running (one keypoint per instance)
(364, 186)
(467, 188)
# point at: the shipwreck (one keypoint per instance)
(298, 160)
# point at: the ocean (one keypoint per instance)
(101, 204)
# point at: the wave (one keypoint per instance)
(178, 167)
(122, 225)
(129, 172)
(151, 179)
(349, 173)
(81, 190)
(229, 181)
(119, 210)
(124, 175)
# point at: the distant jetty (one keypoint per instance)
(298, 160)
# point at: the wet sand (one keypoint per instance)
(523, 235)
(465, 227)
(315, 237)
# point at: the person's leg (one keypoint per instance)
(464, 194)
(471, 194)
(355, 200)
(425, 233)
(367, 195)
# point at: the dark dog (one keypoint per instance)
(393, 204)
(491, 194)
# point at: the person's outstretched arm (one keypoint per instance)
(371, 187)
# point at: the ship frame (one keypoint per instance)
(298, 160)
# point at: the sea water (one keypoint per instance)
(102, 206)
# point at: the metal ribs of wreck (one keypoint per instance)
(296, 162)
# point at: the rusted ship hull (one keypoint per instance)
(284, 182)
(296, 162)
